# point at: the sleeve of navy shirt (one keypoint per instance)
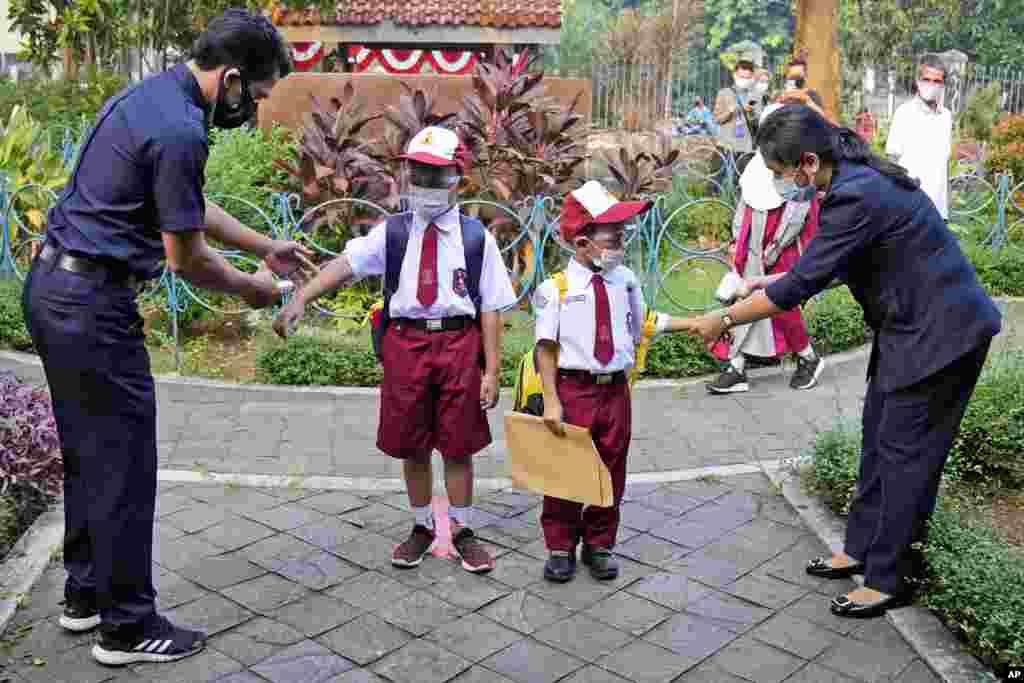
(844, 229)
(178, 162)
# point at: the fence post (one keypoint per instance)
(1001, 230)
(7, 270)
(172, 309)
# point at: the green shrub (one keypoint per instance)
(976, 584)
(990, 447)
(62, 102)
(834, 461)
(13, 333)
(1002, 272)
(982, 113)
(8, 524)
(306, 360)
(835, 321)
(241, 164)
(678, 355)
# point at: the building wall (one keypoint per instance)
(8, 39)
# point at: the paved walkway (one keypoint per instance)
(269, 430)
(294, 586)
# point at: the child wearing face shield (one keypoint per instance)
(445, 283)
(586, 343)
(773, 223)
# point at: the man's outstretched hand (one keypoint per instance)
(290, 260)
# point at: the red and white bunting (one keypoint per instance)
(307, 55)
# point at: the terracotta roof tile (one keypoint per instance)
(494, 13)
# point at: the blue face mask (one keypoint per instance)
(790, 191)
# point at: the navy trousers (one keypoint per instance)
(90, 338)
(907, 437)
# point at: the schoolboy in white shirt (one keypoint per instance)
(442, 298)
(586, 346)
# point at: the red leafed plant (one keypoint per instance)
(415, 111)
(644, 173)
(30, 455)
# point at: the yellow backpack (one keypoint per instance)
(528, 396)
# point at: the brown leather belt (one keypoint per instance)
(87, 266)
(436, 324)
(594, 378)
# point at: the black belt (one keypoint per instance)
(436, 324)
(87, 266)
(594, 378)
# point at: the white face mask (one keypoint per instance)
(761, 88)
(610, 259)
(744, 83)
(930, 92)
(428, 203)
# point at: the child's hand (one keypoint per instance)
(553, 416)
(489, 391)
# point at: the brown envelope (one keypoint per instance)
(567, 467)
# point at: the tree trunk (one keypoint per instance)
(817, 31)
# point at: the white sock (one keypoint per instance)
(424, 516)
(739, 363)
(808, 353)
(460, 515)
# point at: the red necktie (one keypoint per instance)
(604, 346)
(426, 292)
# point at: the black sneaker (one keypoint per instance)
(807, 372)
(80, 615)
(603, 565)
(732, 381)
(162, 641)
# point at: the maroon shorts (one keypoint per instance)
(430, 398)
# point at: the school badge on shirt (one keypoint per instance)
(459, 282)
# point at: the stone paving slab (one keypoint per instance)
(303, 594)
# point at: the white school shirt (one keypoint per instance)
(922, 140)
(366, 256)
(573, 322)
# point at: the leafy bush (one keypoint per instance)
(835, 321)
(834, 462)
(306, 360)
(62, 102)
(990, 447)
(982, 113)
(13, 333)
(678, 355)
(27, 159)
(29, 448)
(976, 584)
(241, 164)
(1007, 152)
(1002, 272)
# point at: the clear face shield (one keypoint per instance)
(429, 191)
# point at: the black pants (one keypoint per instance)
(907, 437)
(89, 335)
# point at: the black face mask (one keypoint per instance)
(226, 116)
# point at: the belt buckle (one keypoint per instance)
(604, 378)
(435, 325)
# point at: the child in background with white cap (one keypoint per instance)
(586, 345)
(442, 319)
(771, 233)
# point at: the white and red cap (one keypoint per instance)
(592, 204)
(437, 146)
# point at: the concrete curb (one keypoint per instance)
(14, 359)
(28, 559)
(922, 630)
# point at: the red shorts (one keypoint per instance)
(430, 398)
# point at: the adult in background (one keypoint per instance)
(134, 198)
(736, 111)
(921, 134)
(798, 91)
(881, 235)
(699, 121)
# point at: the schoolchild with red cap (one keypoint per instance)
(445, 283)
(586, 345)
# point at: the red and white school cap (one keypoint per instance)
(437, 147)
(592, 204)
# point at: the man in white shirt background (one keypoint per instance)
(921, 134)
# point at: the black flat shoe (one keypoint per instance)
(843, 606)
(820, 568)
(560, 568)
(603, 565)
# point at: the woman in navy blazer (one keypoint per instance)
(933, 322)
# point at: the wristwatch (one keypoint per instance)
(727, 321)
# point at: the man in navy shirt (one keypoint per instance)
(135, 199)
